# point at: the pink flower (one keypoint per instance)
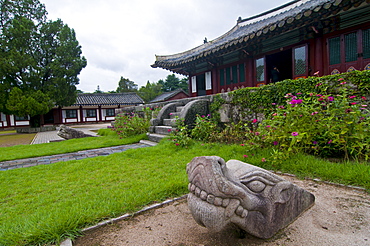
(340, 79)
(177, 144)
(254, 121)
(274, 114)
(331, 99)
(363, 98)
(276, 142)
(296, 101)
(343, 83)
(245, 156)
(352, 97)
(294, 134)
(257, 133)
(268, 126)
(318, 84)
(273, 103)
(242, 145)
(316, 73)
(363, 105)
(263, 160)
(353, 103)
(330, 141)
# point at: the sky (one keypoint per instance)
(122, 37)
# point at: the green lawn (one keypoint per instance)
(46, 204)
(73, 145)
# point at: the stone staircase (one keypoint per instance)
(165, 122)
(157, 133)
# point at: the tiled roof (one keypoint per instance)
(272, 22)
(167, 95)
(128, 98)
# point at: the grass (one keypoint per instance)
(73, 145)
(45, 204)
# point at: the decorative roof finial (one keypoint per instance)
(205, 40)
(239, 19)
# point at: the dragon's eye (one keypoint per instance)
(257, 181)
(256, 186)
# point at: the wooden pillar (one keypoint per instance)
(81, 114)
(100, 114)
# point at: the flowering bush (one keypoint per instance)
(204, 127)
(131, 124)
(180, 137)
(324, 125)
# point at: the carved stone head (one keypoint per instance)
(224, 195)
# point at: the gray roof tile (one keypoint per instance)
(128, 98)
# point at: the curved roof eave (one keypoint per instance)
(244, 29)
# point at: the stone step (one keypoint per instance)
(164, 130)
(169, 122)
(156, 137)
(147, 142)
(173, 115)
(178, 109)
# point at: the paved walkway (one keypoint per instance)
(50, 136)
(43, 160)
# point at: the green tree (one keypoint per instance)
(172, 83)
(39, 60)
(150, 91)
(126, 85)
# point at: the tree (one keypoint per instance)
(150, 91)
(39, 60)
(172, 83)
(126, 85)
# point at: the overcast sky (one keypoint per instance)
(122, 37)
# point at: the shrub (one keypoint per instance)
(127, 125)
(328, 125)
(181, 137)
(204, 127)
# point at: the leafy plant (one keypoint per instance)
(131, 124)
(327, 125)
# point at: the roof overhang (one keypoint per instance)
(283, 26)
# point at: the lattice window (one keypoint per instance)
(228, 76)
(300, 60)
(350, 41)
(71, 113)
(110, 112)
(260, 69)
(222, 77)
(366, 43)
(235, 74)
(334, 51)
(241, 73)
(91, 113)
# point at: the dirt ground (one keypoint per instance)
(340, 216)
(7, 140)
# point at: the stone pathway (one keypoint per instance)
(43, 160)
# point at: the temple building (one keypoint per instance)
(295, 40)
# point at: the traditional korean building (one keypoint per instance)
(299, 38)
(89, 108)
(169, 96)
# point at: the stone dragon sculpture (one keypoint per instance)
(237, 194)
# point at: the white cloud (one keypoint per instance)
(122, 37)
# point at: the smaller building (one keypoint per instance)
(89, 108)
(169, 96)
